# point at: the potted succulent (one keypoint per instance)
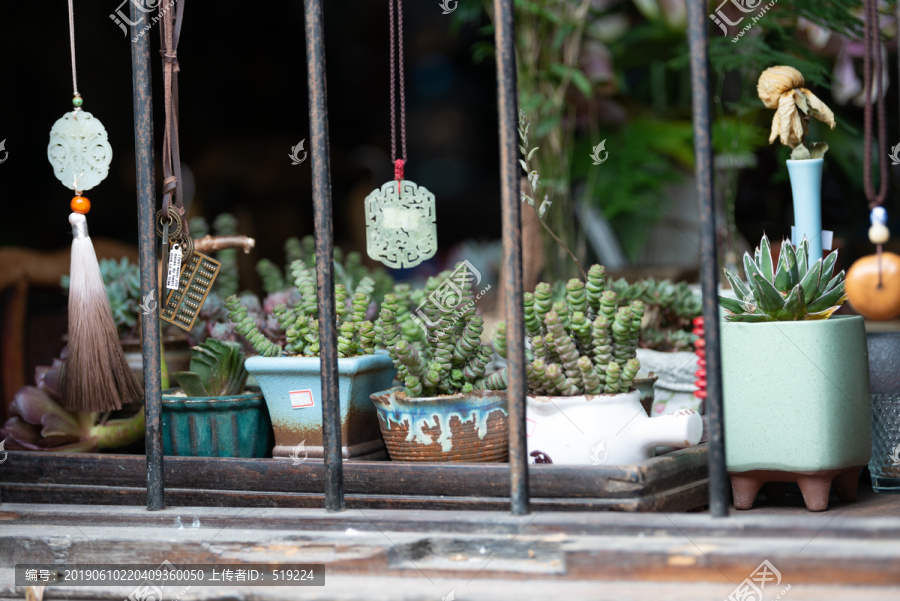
(289, 374)
(796, 382)
(666, 345)
(441, 412)
(213, 415)
(582, 407)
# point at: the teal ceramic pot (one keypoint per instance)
(461, 427)
(796, 406)
(292, 387)
(806, 190)
(227, 426)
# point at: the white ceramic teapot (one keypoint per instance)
(603, 429)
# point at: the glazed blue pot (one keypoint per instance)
(806, 188)
(225, 426)
(292, 387)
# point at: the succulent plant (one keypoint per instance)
(585, 344)
(298, 319)
(216, 369)
(38, 421)
(790, 290)
(670, 307)
(443, 353)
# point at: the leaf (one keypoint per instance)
(833, 298)
(821, 314)
(810, 281)
(191, 383)
(731, 304)
(767, 297)
(765, 258)
(749, 317)
(828, 265)
(785, 277)
(803, 257)
(750, 268)
(524, 165)
(531, 154)
(740, 289)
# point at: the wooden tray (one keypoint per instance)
(672, 482)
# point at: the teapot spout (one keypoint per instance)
(680, 429)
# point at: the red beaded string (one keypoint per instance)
(700, 351)
(398, 174)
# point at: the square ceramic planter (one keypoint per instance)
(292, 387)
(223, 426)
(796, 406)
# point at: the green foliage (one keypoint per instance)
(299, 320)
(445, 356)
(585, 344)
(123, 289)
(789, 290)
(216, 369)
(670, 309)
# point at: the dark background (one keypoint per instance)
(243, 107)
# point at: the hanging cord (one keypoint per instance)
(72, 51)
(397, 59)
(873, 55)
(170, 33)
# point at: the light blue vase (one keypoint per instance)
(292, 387)
(806, 188)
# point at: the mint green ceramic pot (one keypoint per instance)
(796, 395)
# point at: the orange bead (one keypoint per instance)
(80, 204)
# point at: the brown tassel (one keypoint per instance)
(95, 377)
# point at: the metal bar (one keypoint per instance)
(709, 269)
(512, 252)
(323, 225)
(150, 349)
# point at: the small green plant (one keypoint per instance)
(442, 353)
(792, 290)
(585, 344)
(216, 369)
(299, 320)
(669, 310)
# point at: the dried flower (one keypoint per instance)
(781, 88)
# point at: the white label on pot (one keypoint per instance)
(529, 426)
(301, 399)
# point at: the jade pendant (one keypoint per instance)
(401, 227)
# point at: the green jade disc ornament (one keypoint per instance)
(401, 226)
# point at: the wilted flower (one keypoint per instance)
(781, 88)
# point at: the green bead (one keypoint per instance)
(77, 101)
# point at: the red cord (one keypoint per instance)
(398, 173)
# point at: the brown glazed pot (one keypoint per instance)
(464, 427)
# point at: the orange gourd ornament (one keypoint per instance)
(873, 282)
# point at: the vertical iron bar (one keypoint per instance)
(709, 270)
(321, 177)
(146, 191)
(512, 252)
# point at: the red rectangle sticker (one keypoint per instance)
(301, 399)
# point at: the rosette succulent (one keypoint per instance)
(216, 369)
(585, 344)
(39, 422)
(790, 290)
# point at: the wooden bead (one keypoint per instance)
(865, 295)
(879, 233)
(80, 204)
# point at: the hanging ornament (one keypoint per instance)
(401, 226)
(188, 275)
(95, 376)
(873, 282)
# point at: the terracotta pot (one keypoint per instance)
(292, 387)
(463, 427)
(796, 406)
(607, 429)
